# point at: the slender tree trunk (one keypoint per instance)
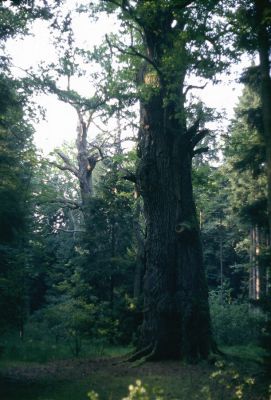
(86, 163)
(254, 273)
(221, 258)
(252, 267)
(113, 255)
(176, 312)
(139, 270)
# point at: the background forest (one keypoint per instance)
(75, 266)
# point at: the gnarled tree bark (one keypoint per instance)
(176, 320)
(263, 9)
(176, 313)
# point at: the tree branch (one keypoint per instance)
(67, 166)
(190, 87)
(199, 136)
(183, 5)
(129, 176)
(200, 150)
(67, 230)
(133, 52)
(127, 8)
(100, 151)
(72, 204)
(61, 167)
(193, 129)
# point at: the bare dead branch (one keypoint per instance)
(98, 127)
(63, 167)
(67, 164)
(190, 87)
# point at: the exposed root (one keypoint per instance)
(126, 358)
(132, 356)
(149, 357)
(139, 354)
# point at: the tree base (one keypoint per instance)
(138, 355)
(152, 353)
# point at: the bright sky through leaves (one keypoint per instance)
(61, 119)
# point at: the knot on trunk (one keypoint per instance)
(186, 229)
(185, 226)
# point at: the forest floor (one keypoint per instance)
(73, 379)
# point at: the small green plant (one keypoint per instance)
(227, 381)
(224, 383)
(71, 320)
(136, 392)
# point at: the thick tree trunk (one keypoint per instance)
(176, 312)
(263, 7)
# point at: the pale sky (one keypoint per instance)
(61, 119)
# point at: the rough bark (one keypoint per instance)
(86, 162)
(263, 33)
(176, 321)
(176, 312)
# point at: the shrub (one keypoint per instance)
(235, 322)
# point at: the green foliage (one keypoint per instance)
(226, 383)
(78, 286)
(16, 166)
(246, 23)
(235, 322)
(16, 17)
(229, 382)
(222, 233)
(245, 147)
(70, 320)
(138, 391)
(42, 345)
(17, 162)
(179, 381)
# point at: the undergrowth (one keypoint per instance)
(44, 350)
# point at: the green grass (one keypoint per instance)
(46, 390)
(249, 353)
(111, 384)
(109, 387)
(185, 387)
(44, 350)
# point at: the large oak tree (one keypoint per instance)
(177, 38)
